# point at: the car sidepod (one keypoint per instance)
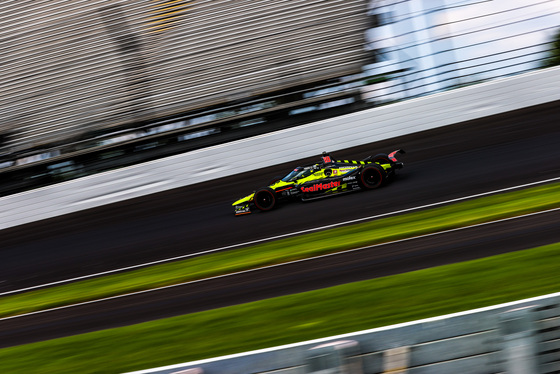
(339, 180)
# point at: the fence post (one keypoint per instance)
(519, 343)
(396, 360)
(339, 357)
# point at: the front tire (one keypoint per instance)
(372, 176)
(265, 199)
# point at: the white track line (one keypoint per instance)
(282, 264)
(276, 237)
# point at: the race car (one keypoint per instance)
(329, 177)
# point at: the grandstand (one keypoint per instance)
(73, 69)
(93, 85)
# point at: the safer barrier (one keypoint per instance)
(518, 338)
(283, 146)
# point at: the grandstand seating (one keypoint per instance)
(73, 67)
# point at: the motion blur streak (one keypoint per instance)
(286, 263)
(278, 237)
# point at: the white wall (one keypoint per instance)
(282, 146)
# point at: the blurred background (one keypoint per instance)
(88, 86)
(93, 85)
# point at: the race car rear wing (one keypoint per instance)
(393, 154)
(392, 157)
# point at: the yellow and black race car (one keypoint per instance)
(327, 178)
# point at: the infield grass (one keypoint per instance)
(299, 317)
(462, 214)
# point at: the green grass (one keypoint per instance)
(288, 319)
(303, 246)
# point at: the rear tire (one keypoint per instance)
(264, 199)
(372, 176)
(383, 158)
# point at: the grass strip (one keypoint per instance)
(329, 241)
(299, 317)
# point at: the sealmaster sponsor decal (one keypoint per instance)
(320, 187)
(342, 171)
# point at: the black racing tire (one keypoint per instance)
(264, 199)
(372, 176)
(383, 158)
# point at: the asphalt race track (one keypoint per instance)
(277, 281)
(443, 164)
